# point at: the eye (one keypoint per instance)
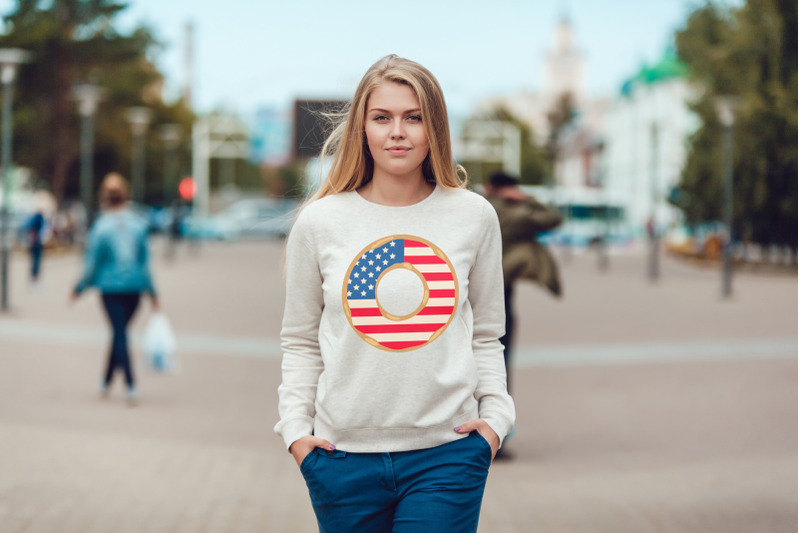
(380, 118)
(415, 118)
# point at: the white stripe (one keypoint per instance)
(401, 337)
(359, 304)
(412, 251)
(380, 320)
(436, 302)
(439, 285)
(433, 268)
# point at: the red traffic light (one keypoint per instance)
(187, 187)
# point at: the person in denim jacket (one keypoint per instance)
(116, 262)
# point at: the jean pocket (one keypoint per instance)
(305, 464)
(484, 444)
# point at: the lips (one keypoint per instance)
(398, 150)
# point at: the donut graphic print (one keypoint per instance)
(421, 281)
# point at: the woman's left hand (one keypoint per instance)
(485, 431)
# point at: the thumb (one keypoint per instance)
(467, 427)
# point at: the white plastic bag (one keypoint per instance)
(159, 345)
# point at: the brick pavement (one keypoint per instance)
(603, 445)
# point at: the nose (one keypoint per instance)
(398, 131)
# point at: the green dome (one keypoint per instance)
(669, 67)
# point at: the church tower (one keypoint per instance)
(563, 64)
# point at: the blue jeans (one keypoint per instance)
(120, 309)
(431, 490)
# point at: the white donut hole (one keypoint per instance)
(400, 292)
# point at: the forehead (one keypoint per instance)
(392, 96)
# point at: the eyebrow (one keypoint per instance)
(381, 110)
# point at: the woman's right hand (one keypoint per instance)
(305, 445)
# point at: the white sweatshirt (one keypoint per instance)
(392, 320)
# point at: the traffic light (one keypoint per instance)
(187, 188)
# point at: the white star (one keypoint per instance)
(364, 256)
(385, 262)
(377, 269)
(371, 262)
(371, 274)
(363, 269)
(385, 250)
(371, 287)
(349, 281)
(377, 256)
(356, 287)
(363, 293)
(391, 244)
(391, 256)
(349, 294)
(355, 275)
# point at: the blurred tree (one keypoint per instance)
(74, 41)
(534, 166)
(749, 53)
(558, 118)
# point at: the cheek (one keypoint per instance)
(374, 141)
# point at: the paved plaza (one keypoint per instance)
(642, 407)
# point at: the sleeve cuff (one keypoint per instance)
(294, 429)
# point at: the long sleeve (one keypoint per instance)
(302, 360)
(486, 300)
(91, 258)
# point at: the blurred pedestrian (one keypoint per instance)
(393, 400)
(35, 230)
(521, 217)
(117, 263)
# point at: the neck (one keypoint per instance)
(396, 191)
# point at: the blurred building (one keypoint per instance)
(271, 137)
(645, 138)
(563, 69)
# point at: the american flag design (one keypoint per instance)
(434, 313)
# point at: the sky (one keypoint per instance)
(254, 54)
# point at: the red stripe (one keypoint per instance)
(437, 276)
(365, 311)
(401, 345)
(440, 310)
(415, 244)
(442, 293)
(424, 260)
(398, 328)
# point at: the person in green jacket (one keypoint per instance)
(521, 218)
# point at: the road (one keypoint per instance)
(641, 406)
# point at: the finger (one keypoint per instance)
(324, 444)
(466, 427)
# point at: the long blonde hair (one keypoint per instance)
(352, 162)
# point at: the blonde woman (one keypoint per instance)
(393, 400)
(117, 264)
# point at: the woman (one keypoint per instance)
(117, 263)
(393, 400)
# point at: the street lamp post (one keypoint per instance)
(139, 119)
(88, 97)
(652, 223)
(170, 135)
(10, 59)
(726, 110)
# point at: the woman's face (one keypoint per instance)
(395, 132)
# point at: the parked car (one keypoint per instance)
(250, 218)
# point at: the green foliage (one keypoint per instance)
(73, 42)
(749, 53)
(534, 166)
